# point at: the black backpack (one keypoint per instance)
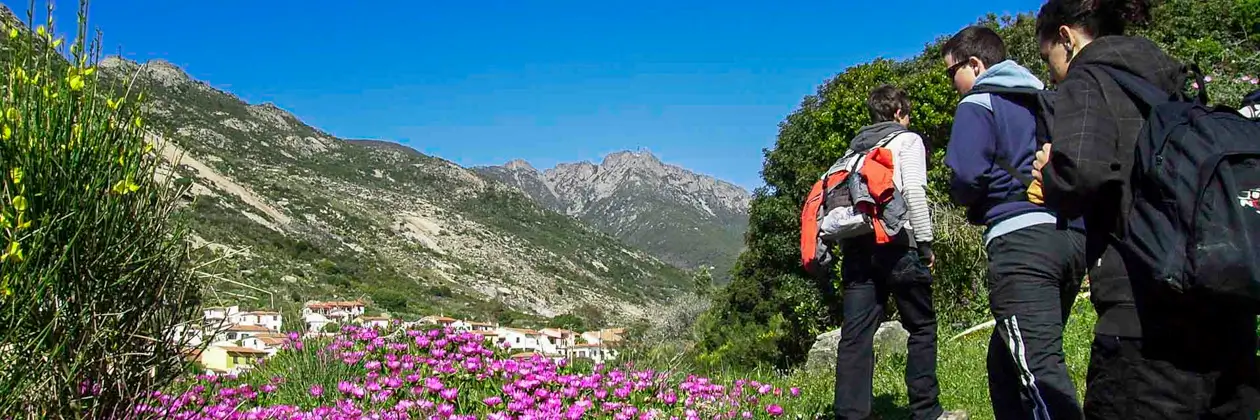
(1195, 220)
(1038, 101)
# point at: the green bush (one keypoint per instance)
(93, 276)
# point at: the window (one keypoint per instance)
(518, 340)
(231, 336)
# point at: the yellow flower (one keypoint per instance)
(13, 33)
(19, 203)
(120, 160)
(76, 82)
(12, 253)
(88, 71)
(57, 43)
(114, 104)
(40, 30)
(12, 114)
(8, 132)
(4, 222)
(125, 186)
(19, 74)
(16, 174)
(23, 224)
(148, 147)
(138, 123)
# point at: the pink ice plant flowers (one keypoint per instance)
(442, 374)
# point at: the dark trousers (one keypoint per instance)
(1034, 276)
(1195, 359)
(870, 274)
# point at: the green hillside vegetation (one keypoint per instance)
(771, 311)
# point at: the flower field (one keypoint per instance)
(441, 374)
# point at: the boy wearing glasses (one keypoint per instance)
(1035, 269)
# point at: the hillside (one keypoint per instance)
(684, 218)
(290, 213)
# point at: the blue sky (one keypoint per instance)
(701, 84)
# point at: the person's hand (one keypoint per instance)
(926, 255)
(1043, 157)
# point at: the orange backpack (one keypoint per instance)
(846, 217)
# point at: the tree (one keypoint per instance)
(702, 282)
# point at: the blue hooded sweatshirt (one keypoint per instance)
(988, 127)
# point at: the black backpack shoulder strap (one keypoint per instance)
(1040, 100)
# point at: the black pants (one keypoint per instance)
(1195, 359)
(1034, 276)
(1127, 380)
(870, 274)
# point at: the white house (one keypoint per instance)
(556, 341)
(604, 336)
(220, 313)
(192, 333)
(600, 353)
(241, 332)
(481, 326)
(269, 343)
(438, 320)
(519, 338)
(374, 321)
(335, 311)
(270, 320)
(315, 322)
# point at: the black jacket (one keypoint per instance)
(1093, 136)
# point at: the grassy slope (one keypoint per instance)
(961, 370)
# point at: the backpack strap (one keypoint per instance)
(1039, 100)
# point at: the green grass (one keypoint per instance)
(962, 374)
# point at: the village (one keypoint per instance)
(235, 341)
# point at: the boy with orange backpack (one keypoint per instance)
(873, 202)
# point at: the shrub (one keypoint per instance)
(93, 277)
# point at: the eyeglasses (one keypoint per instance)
(953, 70)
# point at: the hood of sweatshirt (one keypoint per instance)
(1136, 55)
(870, 135)
(1009, 74)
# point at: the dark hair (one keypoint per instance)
(1096, 17)
(976, 41)
(885, 101)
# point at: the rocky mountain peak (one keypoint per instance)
(520, 165)
(647, 202)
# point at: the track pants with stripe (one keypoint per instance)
(1034, 276)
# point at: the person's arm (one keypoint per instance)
(912, 158)
(970, 153)
(1084, 160)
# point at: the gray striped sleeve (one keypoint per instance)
(912, 161)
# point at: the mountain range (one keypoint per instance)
(684, 218)
(284, 213)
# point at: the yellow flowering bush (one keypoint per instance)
(93, 275)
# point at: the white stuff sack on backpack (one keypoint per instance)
(845, 221)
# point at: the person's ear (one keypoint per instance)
(976, 65)
(1067, 38)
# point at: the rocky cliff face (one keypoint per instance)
(290, 213)
(684, 218)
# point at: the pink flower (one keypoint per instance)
(1207, 79)
(449, 394)
(446, 409)
(317, 390)
(796, 392)
(492, 401)
(774, 410)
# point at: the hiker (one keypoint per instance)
(871, 271)
(1157, 353)
(1035, 268)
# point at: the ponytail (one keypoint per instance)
(1095, 17)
